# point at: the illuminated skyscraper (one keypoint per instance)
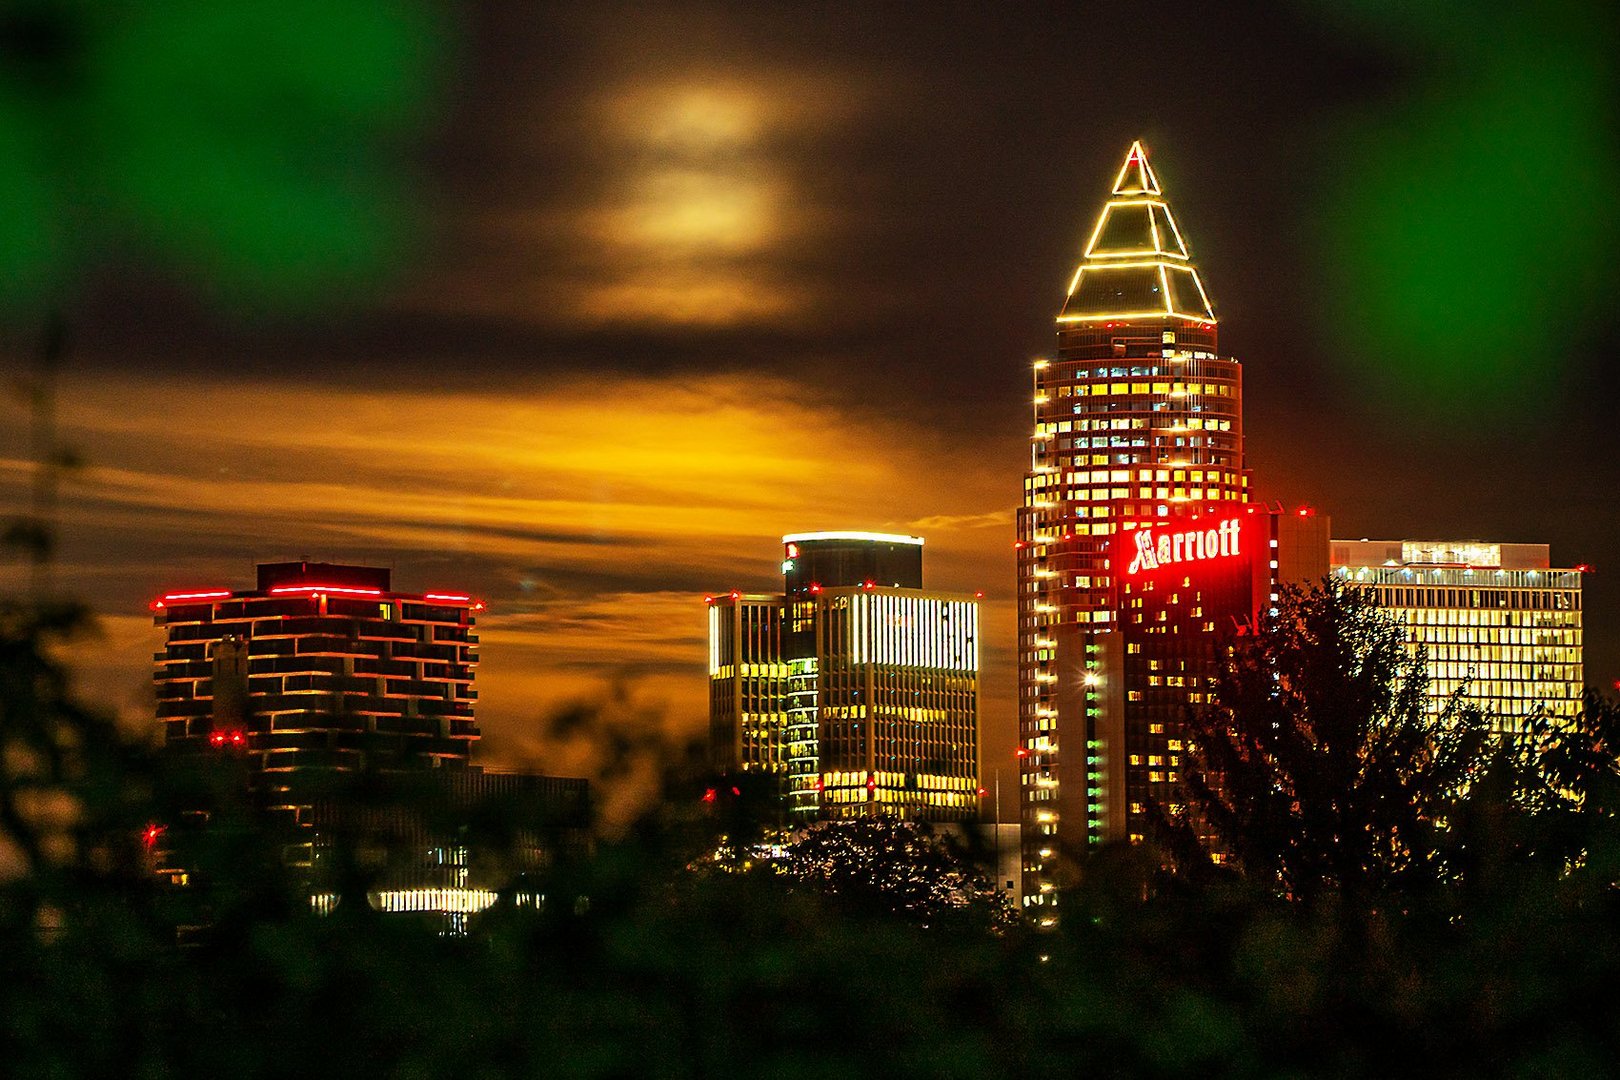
(1137, 419)
(324, 672)
(320, 668)
(1495, 620)
(855, 688)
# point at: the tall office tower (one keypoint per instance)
(1136, 419)
(321, 667)
(1497, 621)
(854, 687)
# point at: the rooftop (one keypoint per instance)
(1136, 263)
(867, 537)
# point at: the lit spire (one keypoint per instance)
(1136, 175)
(1136, 264)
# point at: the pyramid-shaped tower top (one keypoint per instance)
(1136, 175)
(1136, 264)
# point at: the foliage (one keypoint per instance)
(73, 787)
(635, 966)
(1322, 771)
(1578, 814)
(883, 865)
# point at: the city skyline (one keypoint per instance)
(569, 453)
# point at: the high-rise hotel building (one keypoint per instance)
(1496, 621)
(1183, 587)
(854, 687)
(1138, 419)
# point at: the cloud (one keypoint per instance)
(695, 212)
(591, 513)
(995, 519)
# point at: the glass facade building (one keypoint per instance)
(855, 688)
(1497, 622)
(1137, 419)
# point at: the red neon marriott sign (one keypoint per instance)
(1158, 547)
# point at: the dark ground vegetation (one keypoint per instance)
(1419, 903)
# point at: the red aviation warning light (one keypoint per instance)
(1136, 175)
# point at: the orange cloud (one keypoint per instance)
(591, 513)
(702, 209)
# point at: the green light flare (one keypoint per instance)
(251, 146)
(30, 250)
(1467, 230)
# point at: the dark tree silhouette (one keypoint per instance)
(1578, 809)
(1321, 770)
(882, 865)
(1581, 759)
(73, 787)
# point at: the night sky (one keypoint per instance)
(682, 279)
